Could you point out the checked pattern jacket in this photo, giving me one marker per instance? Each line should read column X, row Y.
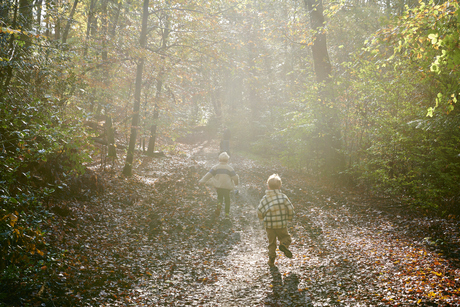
column 275, row 209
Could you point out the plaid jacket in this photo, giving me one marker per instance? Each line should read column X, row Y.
column 275, row 209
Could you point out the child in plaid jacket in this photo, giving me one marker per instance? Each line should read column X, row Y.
column 276, row 210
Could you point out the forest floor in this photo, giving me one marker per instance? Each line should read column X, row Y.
column 153, row 240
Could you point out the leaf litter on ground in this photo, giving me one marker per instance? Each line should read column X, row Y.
column 153, row 240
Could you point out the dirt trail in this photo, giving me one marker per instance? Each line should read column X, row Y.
column 228, row 258
column 156, row 243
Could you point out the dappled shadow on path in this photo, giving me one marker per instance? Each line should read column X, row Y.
column 285, row 292
column 154, row 240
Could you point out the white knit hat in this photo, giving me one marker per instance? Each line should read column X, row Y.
column 223, row 157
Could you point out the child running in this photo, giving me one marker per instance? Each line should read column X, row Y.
column 276, row 210
column 225, row 180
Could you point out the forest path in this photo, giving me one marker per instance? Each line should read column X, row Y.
column 233, row 263
column 152, row 240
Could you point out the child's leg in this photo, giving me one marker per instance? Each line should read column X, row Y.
column 271, row 235
column 285, row 241
column 227, row 200
column 220, row 200
column 220, row 195
column 284, row 237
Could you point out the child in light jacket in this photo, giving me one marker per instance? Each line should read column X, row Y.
column 224, row 180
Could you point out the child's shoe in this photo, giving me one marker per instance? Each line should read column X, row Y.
column 271, row 261
column 285, row 250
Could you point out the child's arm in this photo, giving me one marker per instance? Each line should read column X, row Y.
column 290, row 209
column 260, row 214
column 205, row 178
column 236, row 179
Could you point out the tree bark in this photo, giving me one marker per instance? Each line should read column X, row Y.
column 5, row 11
column 321, row 61
column 115, row 21
column 25, row 10
column 57, row 26
column 105, row 25
column 326, row 123
column 39, row 15
column 69, row 22
column 89, row 24
column 153, row 131
column 128, row 168
column 11, row 50
column 112, row 152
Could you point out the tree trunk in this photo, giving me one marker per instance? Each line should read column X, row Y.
column 25, row 9
column 115, row 21
column 9, row 70
column 153, row 132
column 69, row 22
column 104, row 30
column 39, row 15
column 5, row 11
column 156, row 113
column 110, row 138
column 321, row 61
column 47, row 19
column 128, row 168
column 89, row 24
column 327, row 127
column 57, row 26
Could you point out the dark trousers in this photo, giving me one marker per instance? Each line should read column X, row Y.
column 223, row 195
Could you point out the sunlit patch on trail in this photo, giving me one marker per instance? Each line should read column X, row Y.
column 149, row 181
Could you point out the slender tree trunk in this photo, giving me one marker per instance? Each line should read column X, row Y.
column 25, row 9
column 89, row 24
column 57, row 26
column 104, row 30
column 110, row 130
column 39, row 15
column 5, row 11
column 156, row 113
column 69, row 22
column 11, row 51
column 110, row 138
column 128, row 168
column 115, row 21
column 26, row 12
column 47, row 19
column 153, row 132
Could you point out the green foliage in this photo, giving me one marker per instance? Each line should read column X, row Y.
column 390, row 145
column 42, row 146
column 40, row 151
column 380, row 98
